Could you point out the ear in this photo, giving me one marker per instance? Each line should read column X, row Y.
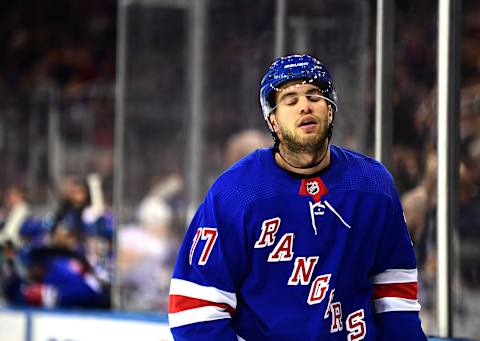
column 330, row 114
column 273, row 122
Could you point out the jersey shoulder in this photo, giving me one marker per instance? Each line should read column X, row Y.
column 359, row 172
column 247, row 180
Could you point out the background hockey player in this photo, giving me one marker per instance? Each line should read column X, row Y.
column 301, row 241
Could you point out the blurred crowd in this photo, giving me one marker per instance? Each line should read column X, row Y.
column 70, row 45
column 415, row 163
column 66, row 258
column 56, row 230
column 61, row 259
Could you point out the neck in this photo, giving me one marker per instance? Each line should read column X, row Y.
column 304, row 163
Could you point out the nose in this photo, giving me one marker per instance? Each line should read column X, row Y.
column 304, row 104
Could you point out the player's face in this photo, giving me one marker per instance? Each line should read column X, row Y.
column 301, row 118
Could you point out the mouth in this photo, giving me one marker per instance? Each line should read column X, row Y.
column 307, row 122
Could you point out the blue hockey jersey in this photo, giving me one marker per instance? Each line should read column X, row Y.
column 271, row 255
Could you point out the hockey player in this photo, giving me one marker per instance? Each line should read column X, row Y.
column 302, row 241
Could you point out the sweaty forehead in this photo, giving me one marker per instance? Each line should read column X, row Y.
column 296, row 85
column 293, row 87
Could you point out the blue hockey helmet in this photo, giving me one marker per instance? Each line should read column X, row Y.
column 295, row 67
column 32, row 228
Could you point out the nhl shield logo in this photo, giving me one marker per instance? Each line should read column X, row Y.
column 312, row 187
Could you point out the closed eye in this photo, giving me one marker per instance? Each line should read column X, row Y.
column 290, row 100
column 314, row 97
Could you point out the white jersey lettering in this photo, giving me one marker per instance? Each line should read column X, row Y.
column 269, row 230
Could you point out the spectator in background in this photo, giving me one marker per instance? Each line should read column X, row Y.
column 469, row 227
column 72, row 267
column 474, row 160
column 34, row 232
column 419, row 207
column 75, row 198
column 146, row 253
column 55, row 275
column 243, row 143
column 415, row 204
column 82, row 204
column 406, row 167
column 18, row 211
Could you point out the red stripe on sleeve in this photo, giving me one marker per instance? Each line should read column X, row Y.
column 179, row 303
column 400, row 290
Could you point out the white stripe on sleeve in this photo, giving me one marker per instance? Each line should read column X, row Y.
column 386, row 304
column 194, row 290
column 202, row 314
column 396, row 276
